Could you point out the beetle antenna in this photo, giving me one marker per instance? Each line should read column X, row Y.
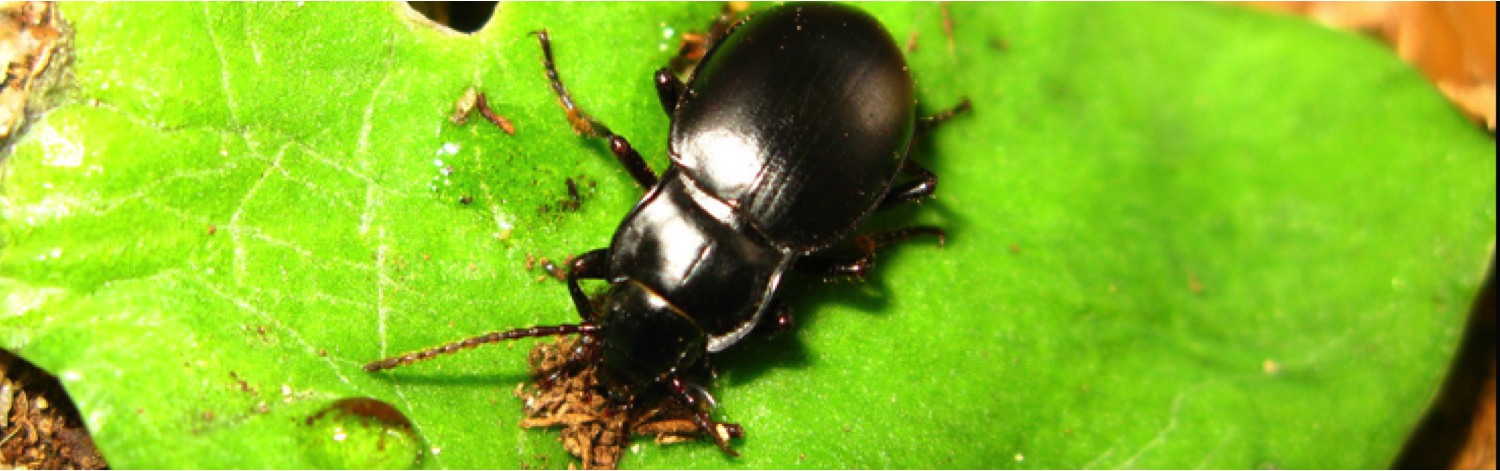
column 492, row 337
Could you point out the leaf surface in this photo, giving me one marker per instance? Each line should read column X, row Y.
column 1182, row 235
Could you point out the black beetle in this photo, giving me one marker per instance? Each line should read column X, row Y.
column 792, row 129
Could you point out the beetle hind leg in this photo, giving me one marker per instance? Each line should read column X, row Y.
column 586, row 125
column 926, row 124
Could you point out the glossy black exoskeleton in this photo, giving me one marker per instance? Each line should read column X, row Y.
column 793, row 128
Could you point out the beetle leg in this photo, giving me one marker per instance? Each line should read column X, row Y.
column 632, row 160
column 586, row 125
column 708, row 368
column 781, row 316
column 720, row 432
column 926, row 181
column 583, row 123
column 709, row 403
column 695, row 45
column 835, row 267
column 922, row 187
column 869, row 242
column 593, row 266
column 926, row 124
column 668, row 89
column 838, row 267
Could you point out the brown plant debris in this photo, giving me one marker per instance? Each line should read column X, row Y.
column 464, row 107
column 593, row 428
column 29, row 34
column 39, row 426
column 489, row 114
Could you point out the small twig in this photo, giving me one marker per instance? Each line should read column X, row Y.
column 672, row 426
column 563, row 419
column 484, row 110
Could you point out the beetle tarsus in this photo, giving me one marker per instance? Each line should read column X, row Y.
column 586, row 125
column 582, row 122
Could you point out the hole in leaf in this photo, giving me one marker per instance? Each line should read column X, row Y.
column 464, row 17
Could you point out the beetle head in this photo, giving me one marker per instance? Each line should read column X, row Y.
column 644, row 339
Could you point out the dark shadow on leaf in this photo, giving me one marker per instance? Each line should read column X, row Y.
column 806, row 295
column 803, row 294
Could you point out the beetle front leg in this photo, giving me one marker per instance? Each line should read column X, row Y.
column 719, row 431
column 593, row 265
column 586, row 125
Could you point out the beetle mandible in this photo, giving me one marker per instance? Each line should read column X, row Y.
column 792, row 129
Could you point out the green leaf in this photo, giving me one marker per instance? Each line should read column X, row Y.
column 1182, row 235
